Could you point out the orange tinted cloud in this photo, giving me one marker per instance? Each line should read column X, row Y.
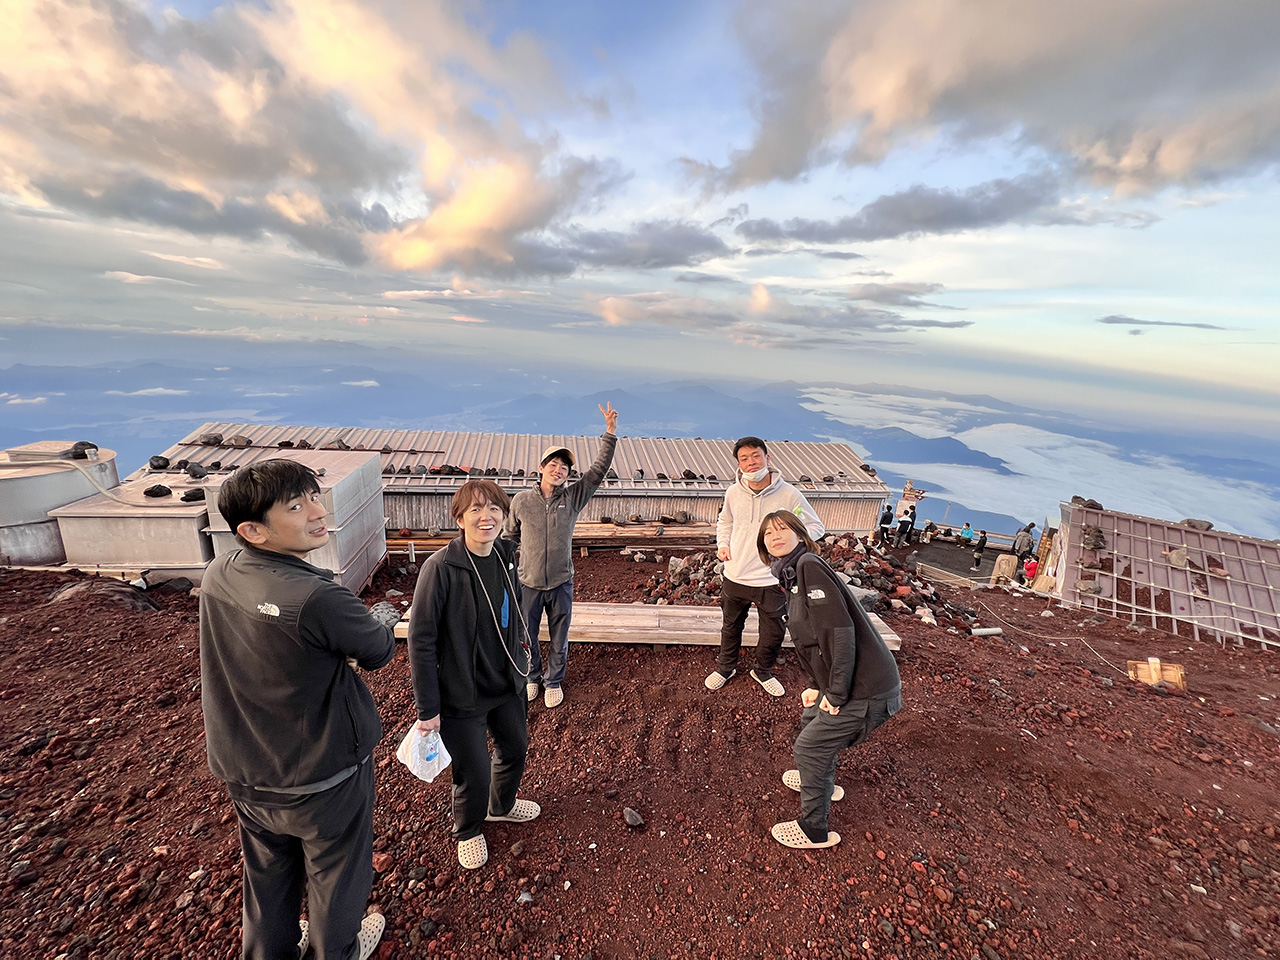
column 491, row 205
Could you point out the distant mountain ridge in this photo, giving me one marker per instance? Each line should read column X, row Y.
column 141, row 406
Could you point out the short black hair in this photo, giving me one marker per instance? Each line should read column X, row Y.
column 255, row 488
column 750, row 442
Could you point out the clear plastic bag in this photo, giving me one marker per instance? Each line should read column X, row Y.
column 423, row 754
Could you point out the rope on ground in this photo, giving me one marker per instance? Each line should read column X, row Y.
column 1104, row 659
column 1033, row 633
column 1040, row 636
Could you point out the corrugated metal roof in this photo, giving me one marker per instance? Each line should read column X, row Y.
column 412, row 453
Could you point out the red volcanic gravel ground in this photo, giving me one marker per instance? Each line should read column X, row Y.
column 1029, row 802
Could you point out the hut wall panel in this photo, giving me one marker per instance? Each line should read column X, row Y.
column 1201, row 584
column 421, row 510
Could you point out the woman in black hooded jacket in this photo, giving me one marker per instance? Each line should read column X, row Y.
column 854, row 682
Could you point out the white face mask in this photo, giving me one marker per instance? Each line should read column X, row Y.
column 757, row 476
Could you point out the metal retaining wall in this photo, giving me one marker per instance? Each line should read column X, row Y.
column 1173, row 577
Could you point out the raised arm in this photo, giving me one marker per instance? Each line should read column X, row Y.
column 584, row 489
column 610, row 417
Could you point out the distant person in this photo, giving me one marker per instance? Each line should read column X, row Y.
column 906, row 524
column 886, row 525
column 757, row 489
column 978, row 549
column 542, row 521
column 854, row 684
column 470, row 658
column 930, row 530
column 966, row 536
column 1023, row 542
column 1030, row 568
column 289, row 724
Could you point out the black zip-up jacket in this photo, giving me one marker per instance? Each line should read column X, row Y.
column 443, row 623
column 282, row 708
column 838, row 645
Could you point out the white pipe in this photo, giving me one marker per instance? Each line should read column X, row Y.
column 89, row 476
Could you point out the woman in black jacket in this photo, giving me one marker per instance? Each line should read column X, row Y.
column 854, row 680
column 469, row 655
column 979, row 546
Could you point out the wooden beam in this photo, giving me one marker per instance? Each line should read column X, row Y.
column 587, row 534
column 662, row 624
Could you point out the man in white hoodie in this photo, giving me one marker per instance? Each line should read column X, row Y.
column 758, row 490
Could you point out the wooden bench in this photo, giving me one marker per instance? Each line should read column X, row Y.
column 661, row 623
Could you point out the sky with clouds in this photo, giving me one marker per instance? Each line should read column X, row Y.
column 1072, row 204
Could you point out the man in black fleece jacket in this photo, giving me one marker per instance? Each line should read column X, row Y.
column 289, row 725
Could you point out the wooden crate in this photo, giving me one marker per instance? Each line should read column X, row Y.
column 1153, row 671
column 1044, row 583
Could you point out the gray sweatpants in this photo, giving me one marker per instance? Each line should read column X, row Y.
column 818, row 746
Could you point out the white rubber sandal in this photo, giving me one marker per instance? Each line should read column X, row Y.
column 553, row 696
column 474, row 853
column 521, row 812
column 306, row 937
column 371, row 928
column 789, row 834
column 771, row 686
column 715, row 679
column 531, row 692
column 792, row 779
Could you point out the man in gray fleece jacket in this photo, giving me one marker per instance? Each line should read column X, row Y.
column 541, row 521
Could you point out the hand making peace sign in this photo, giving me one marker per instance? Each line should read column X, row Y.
column 610, row 417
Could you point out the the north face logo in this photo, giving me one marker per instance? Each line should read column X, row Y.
column 268, row 610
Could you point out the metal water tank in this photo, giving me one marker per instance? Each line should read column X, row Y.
column 36, row 478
